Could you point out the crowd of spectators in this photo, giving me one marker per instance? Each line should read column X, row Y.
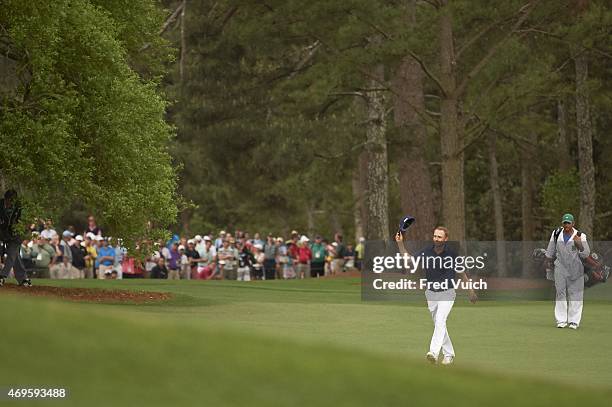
column 89, row 254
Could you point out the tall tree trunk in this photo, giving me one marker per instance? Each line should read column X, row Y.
column 416, row 195
column 310, row 219
column 2, row 182
column 585, row 145
column 358, row 194
column 186, row 221
column 500, row 238
column 335, row 222
column 565, row 160
column 363, row 186
column 377, row 197
column 453, row 200
column 183, row 42
column 527, row 199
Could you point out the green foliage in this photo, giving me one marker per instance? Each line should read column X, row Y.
column 561, row 194
column 84, row 126
column 271, row 89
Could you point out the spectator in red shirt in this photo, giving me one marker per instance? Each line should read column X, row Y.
column 293, row 248
column 304, row 256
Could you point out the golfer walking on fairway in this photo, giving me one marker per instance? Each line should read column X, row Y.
column 439, row 300
column 10, row 212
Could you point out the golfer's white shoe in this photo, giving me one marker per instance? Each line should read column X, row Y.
column 448, row 360
column 573, row 325
column 561, row 324
column 431, row 358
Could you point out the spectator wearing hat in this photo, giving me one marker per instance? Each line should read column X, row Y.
column 42, row 254
column 174, row 262
column 67, row 237
column 79, row 252
column 304, row 256
column 317, row 264
column 185, row 265
column 198, row 243
column 193, row 256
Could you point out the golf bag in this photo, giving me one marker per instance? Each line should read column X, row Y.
column 595, row 271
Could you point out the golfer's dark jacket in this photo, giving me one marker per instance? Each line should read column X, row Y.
column 9, row 217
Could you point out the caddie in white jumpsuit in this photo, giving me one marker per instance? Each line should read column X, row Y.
column 568, row 250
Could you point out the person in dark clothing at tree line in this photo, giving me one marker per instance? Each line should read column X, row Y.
column 10, row 212
column 319, row 252
column 92, row 226
column 160, row 270
column 79, row 254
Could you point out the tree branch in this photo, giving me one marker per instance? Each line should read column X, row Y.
column 340, row 155
column 427, row 71
column 166, row 24
column 433, row 3
column 311, row 51
column 526, row 11
column 558, row 37
column 476, row 37
column 411, row 53
column 359, row 94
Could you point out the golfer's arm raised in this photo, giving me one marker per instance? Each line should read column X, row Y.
column 399, row 238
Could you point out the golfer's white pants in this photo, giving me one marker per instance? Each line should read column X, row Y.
column 440, row 305
column 244, row 274
column 568, row 304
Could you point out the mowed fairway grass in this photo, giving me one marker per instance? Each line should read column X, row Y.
column 301, row 343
